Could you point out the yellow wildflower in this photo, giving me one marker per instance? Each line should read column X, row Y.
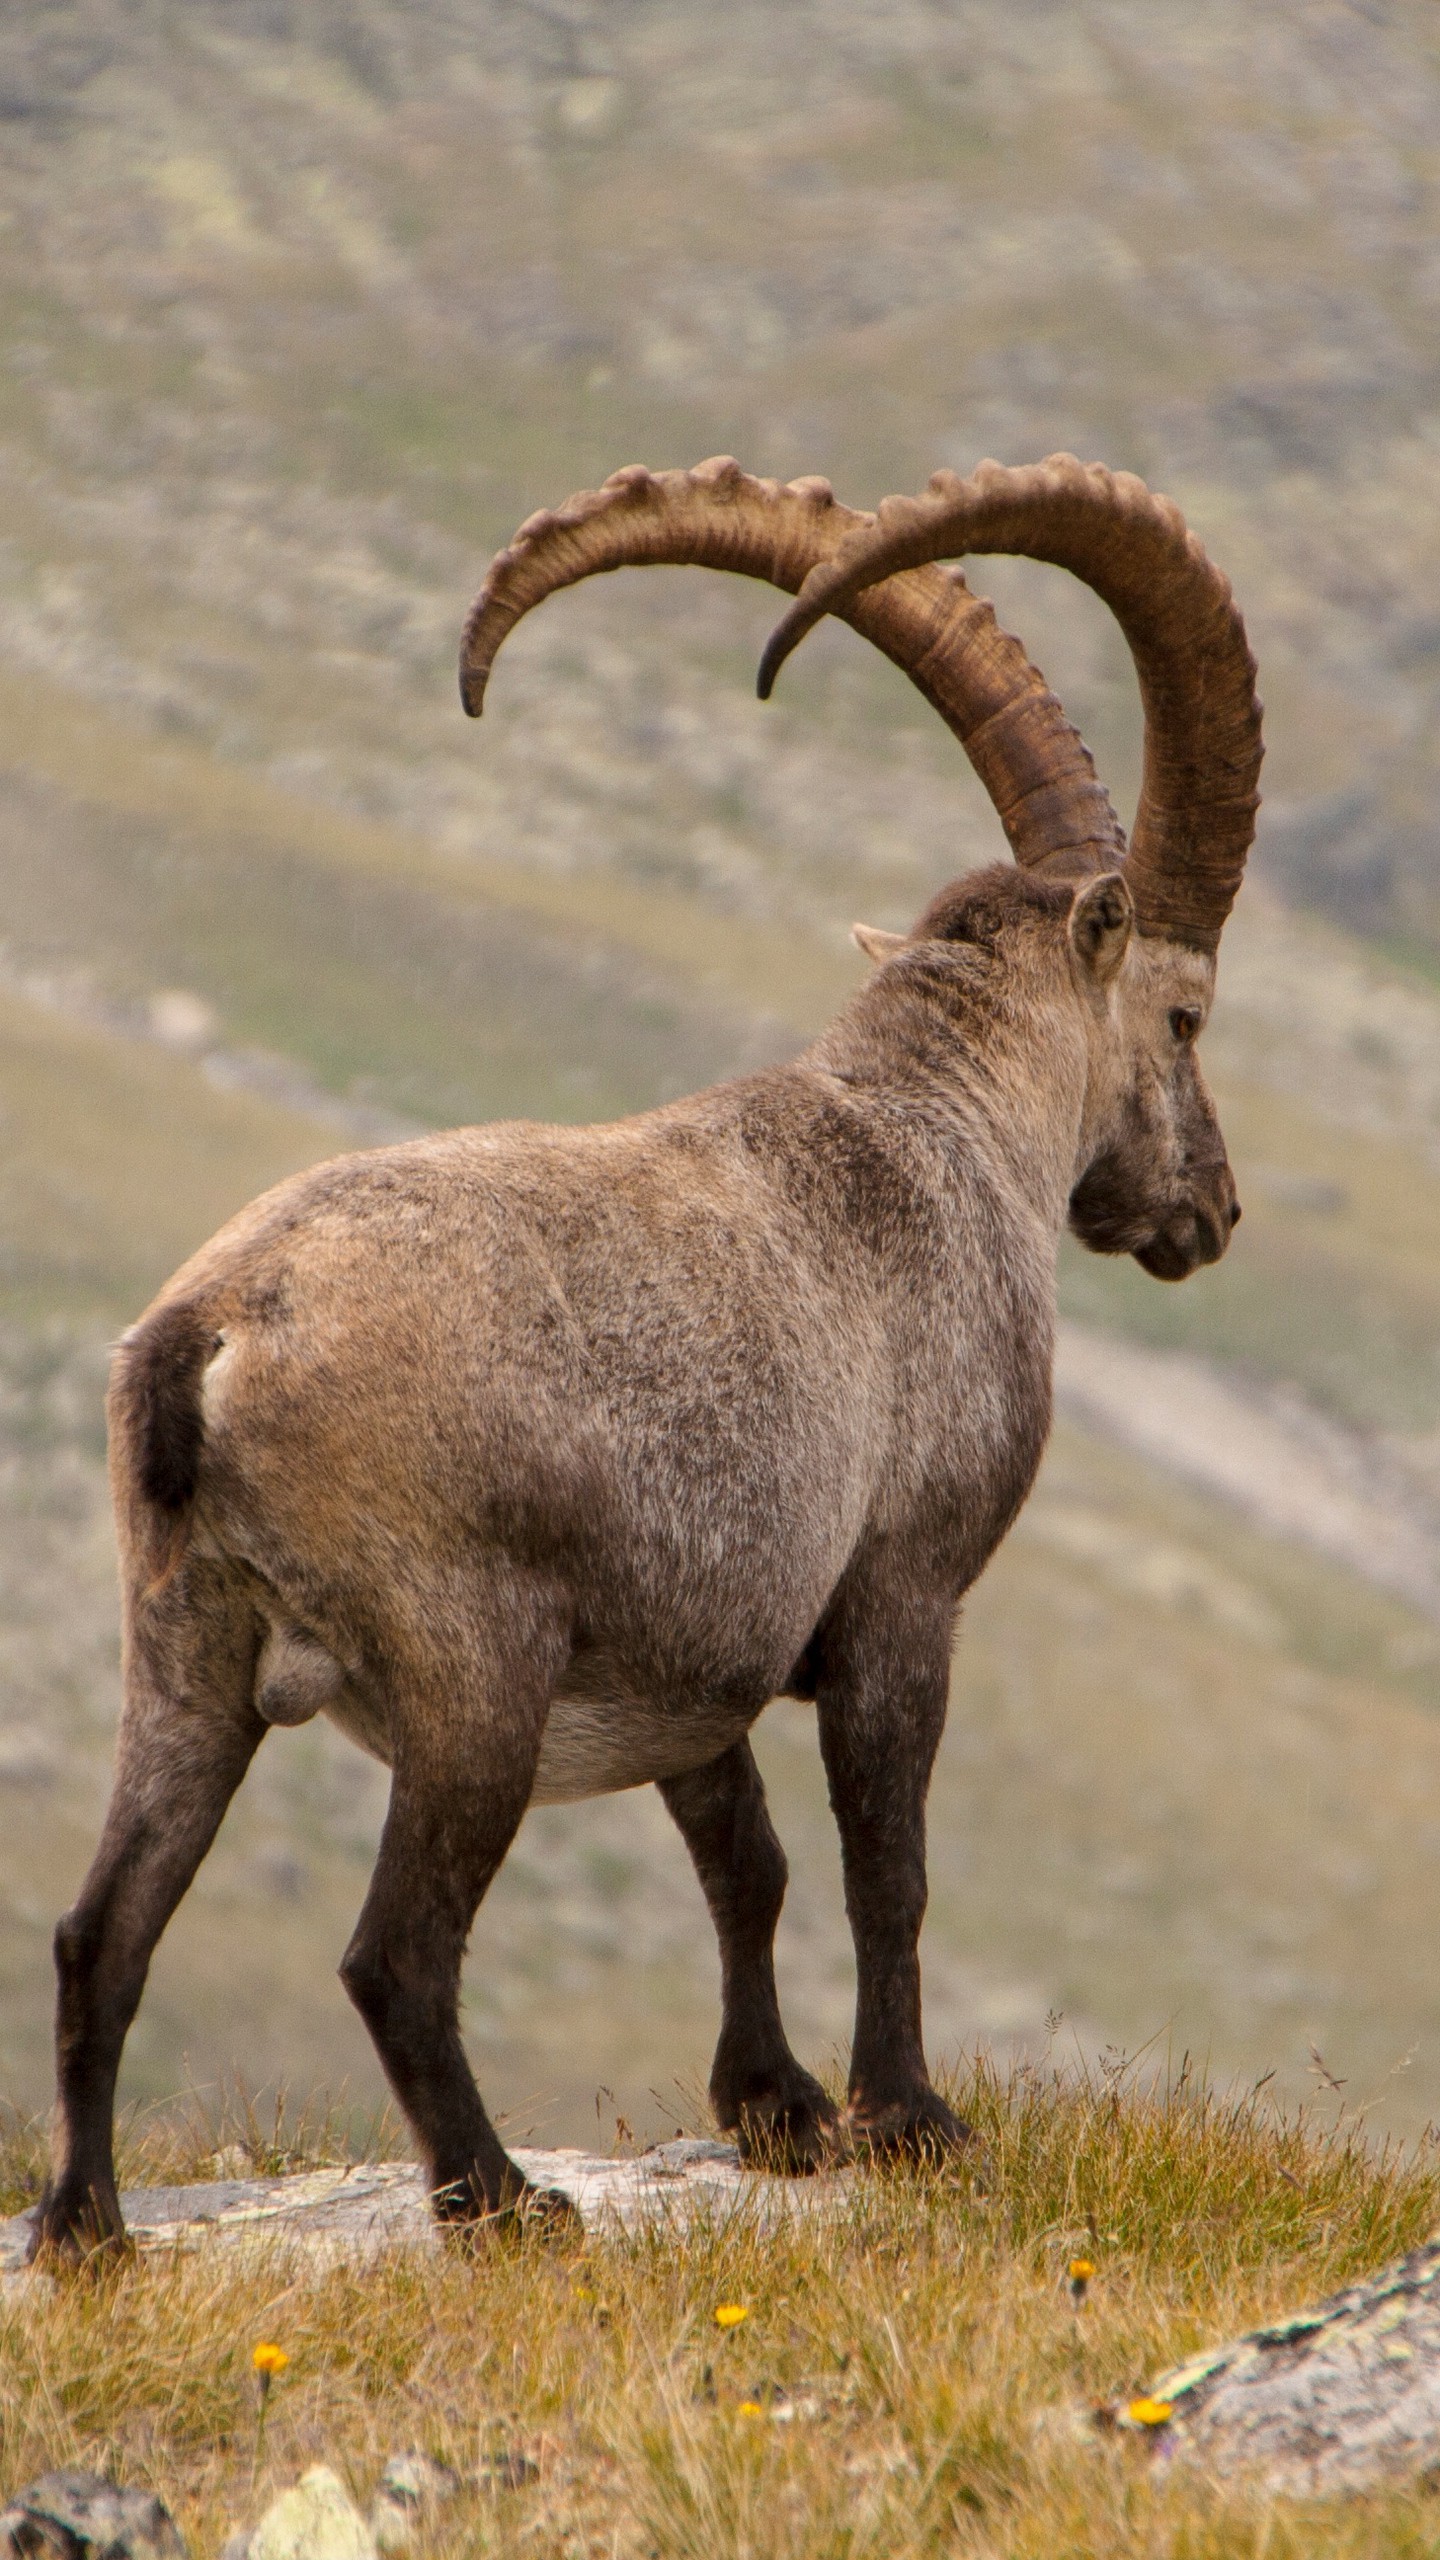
column 1081, row 2271
column 1146, row 2412
column 268, row 2360
column 750, row 2409
column 728, row 2315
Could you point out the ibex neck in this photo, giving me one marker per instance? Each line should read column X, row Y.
column 983, row 1059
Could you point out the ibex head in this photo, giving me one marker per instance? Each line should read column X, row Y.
column 1157, row 1182
column 1141, row 923
column 1151, row 1175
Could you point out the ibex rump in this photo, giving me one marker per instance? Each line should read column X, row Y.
column 540, row 1459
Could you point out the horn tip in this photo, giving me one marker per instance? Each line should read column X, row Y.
column 773, row 656
column 787, row 635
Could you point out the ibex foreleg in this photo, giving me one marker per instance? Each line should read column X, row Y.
column 881, row 1702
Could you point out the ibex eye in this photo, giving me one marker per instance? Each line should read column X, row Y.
column 1184, row 1022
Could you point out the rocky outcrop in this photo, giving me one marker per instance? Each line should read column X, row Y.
column 79, row 2515
column 1346, row 2396
column 382, row 2204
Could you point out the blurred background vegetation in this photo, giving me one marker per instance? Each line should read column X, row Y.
column 306, row 304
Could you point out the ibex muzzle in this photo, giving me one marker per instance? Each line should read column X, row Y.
column 540, row 1459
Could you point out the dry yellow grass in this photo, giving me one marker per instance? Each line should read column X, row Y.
column 913, row 2367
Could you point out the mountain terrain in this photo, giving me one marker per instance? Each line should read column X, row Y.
column 304, row 309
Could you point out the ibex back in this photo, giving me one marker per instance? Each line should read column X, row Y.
column 540, row 1459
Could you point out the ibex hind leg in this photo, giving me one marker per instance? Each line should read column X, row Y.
column 188, row 1732
column 467, row 1719
column 758, row 2090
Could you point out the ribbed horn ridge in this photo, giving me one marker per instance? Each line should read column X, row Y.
column 1196, row 818
column 1034, row 765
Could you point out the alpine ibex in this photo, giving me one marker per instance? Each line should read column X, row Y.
column 541, row 1458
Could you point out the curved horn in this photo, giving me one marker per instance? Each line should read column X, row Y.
column 1198, row 798
column 1034, row 765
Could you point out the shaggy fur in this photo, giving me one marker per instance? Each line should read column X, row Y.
column 541, row 1458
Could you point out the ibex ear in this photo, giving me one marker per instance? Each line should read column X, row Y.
column 1099, row 927
column 876, row 944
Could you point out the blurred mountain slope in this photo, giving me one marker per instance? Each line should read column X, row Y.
column 303, row 309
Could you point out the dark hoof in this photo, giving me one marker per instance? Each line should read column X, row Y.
column 469, row 2219
column 920, row 2128
column 549, row 2212
column 78, row 2228
column 793, row 2131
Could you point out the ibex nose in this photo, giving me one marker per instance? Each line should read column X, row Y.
column 1216, row 1217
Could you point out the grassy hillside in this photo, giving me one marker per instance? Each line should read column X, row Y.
column 303, row 309
column 306, row 307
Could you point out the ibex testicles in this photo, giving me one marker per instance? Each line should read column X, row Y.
column 539, row 1459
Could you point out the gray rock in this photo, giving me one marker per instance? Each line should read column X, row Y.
column 316, row 2520
column 1344, row 2396
column 76, row 2515
column 412, row 2489
column 352, row 2212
